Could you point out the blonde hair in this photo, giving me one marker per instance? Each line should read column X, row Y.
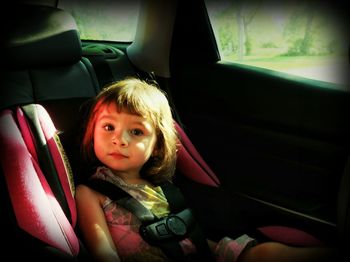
column 139, row 97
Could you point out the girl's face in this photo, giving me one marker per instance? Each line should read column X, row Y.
column 122, row 141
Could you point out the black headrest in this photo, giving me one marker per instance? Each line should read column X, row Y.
column 41, row 36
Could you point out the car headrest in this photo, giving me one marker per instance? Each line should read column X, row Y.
column 41, row 36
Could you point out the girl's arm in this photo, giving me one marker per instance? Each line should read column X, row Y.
column 92, row 223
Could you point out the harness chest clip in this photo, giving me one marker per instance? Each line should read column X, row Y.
column 172, row 226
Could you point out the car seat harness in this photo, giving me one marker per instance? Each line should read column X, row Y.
column 165, row 232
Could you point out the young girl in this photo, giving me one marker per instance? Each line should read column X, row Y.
column 130, row 134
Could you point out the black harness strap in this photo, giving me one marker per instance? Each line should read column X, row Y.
column 177, row 203
column 122, row 198
column 174, row 196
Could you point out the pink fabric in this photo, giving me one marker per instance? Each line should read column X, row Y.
column 191, row 169
column 290, row 236
column 65, row 227
column 229, row 249
column 127, row 240
column 187, row 246
column 57, row 154
column 191, row 164
column 124, row 229
column 32, row 202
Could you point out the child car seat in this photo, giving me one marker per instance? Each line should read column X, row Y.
column 42, row 63
column 46, row 228
column 191, row 164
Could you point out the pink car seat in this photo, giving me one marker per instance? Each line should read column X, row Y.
column 40, row 218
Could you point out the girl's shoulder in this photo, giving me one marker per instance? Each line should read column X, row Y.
column 85, row 193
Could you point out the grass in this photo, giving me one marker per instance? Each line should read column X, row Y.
column 279, row 63
column 322, row 67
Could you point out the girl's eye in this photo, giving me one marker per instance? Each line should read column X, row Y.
column 136, row 132
column 108, row 127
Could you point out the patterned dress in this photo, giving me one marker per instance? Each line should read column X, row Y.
column 124, row 226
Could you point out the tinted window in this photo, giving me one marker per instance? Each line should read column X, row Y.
column 304, row 38
column 104, row 19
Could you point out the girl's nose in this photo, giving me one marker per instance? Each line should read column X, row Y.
column 120, row 138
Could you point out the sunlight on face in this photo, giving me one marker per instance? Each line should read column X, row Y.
column 122, row 141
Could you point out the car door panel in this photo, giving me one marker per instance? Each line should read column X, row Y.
column 280, row 142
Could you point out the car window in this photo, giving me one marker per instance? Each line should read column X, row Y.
column 105, row 20
column 304, row 38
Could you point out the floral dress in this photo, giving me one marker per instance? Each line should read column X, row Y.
column 124, row 226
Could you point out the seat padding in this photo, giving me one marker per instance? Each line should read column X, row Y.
column 191, row 163
column 39, row 132
column 35, row 206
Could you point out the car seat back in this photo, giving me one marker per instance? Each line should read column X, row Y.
column 110, row 64
column 42, row 58
column 42, row 66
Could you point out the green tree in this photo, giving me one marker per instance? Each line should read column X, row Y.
column 300, row 29
column 245, row 13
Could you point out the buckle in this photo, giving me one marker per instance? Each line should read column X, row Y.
column 176, row 225
column 173, row 226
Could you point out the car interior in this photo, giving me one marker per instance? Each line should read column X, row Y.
column 260, row 152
